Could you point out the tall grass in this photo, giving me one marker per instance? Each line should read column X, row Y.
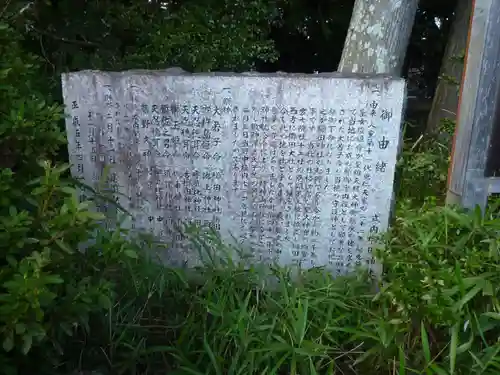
column 231, row 319
column 435, row 311
column 235, row 319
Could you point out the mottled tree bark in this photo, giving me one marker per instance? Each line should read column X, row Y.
column 378, row 36
column 445, row 102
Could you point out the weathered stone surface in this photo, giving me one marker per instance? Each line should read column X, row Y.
column 298, row 168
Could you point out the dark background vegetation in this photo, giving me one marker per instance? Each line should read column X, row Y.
column 265, row 35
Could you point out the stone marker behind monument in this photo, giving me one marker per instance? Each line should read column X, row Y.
column 297, row 168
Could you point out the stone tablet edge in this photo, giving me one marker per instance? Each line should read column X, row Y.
column 180, row 72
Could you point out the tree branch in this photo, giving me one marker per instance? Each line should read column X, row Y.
column 66, row 40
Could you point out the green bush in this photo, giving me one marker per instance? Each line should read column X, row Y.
column 29, row 129
column 112, row 35
column 41, row 293
column 48, row 288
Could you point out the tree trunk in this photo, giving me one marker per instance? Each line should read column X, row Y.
column 445, row 101
column 378, row 36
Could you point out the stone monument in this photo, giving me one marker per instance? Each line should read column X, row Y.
column 298, row 169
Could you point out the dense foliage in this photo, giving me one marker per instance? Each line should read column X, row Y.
column 48, row 288
column 110, row 309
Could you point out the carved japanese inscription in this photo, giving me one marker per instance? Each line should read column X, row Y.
column 298, row 169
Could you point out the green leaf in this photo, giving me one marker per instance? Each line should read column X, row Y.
column 186, row 370
column 68, row 190
column 478, row 361
column 20, row 328
column 61, row 169
column 488, row 289
column 66, row 327
column 402, row 362
column 12, row 211
column 453, row 348
column 425, row 343
column 131, row 253
column 466, row 346
column 27, row 342
column 53, row 279
column 63, row 210
column 104, row 301
column 64, row 247
column 8, row 342
column 211, row 355
column 38, row 190
column 312, row 369
column 11, row 261
column 492, row 315
column 437, row 370
column 470, row 295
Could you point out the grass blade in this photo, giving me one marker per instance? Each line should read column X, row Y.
column 426, row 348
column 402, row 362
column 425, row 343
column 453, row 348
column 438, row 370
column 212, row 357
column 470, row 295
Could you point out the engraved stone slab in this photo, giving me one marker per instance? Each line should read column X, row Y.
column 297, row 168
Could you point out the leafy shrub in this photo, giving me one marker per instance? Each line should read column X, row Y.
column 40, row 292
column 207, row 36
column 29, row 129
column 48, row 288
